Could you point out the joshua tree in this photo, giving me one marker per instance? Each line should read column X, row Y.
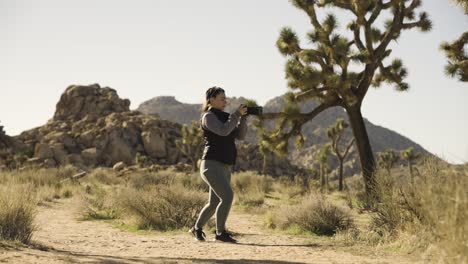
column 409, row 155
column 323, row 163
column 337, row 71
column 462, row 3
column 191, row 143
column 388, row 159
column 334, row 132
column 455, row 52
column 264, row 152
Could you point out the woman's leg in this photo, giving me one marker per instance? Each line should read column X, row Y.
column 207, row 211
column 216, row 175
column 222, row 226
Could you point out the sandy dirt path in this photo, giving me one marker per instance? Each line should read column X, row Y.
column 62, row 238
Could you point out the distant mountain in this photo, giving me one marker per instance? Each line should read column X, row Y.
column 167, row 107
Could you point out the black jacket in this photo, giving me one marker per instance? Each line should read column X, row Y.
column 217, row 147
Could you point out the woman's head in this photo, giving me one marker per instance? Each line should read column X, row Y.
column 214, row 97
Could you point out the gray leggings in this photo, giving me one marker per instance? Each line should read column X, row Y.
column 218, row 176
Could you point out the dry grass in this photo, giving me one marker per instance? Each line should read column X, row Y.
column 101, row 202
column 426, row 214
column 164, row 207
column 250, row 188
column 314, row 214
column 17, row 211
column 141, row 181
column 22, row 190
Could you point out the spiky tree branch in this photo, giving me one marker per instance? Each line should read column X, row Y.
column 388, row 159
column 457, row 58
column 455, row 51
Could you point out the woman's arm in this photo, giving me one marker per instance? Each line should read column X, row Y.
column 212, row 123
column 242, row 128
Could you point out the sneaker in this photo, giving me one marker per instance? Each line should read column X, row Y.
column 225, row 237
column 198, row 234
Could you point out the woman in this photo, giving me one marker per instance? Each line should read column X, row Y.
column 220, row 130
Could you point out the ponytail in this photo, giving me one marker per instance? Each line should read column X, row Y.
column 205, row 106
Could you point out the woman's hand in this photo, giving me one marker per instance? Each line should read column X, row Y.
column 242, row 109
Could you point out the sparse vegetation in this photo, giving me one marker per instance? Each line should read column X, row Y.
column 424, row 213
column 164, row 207
column 432, row 206
column 314, row 214
column 250, row 188
column 101, row 202
column 17, row 211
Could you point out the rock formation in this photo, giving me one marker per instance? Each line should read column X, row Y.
column 93, row 127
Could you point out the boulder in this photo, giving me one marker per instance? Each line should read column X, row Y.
column 78, row 101
column 90, row 156
column 119, row 166
column 154, row 143
column 119, row 150
column 49, row 163
column 60, row 154
column 43, row 151
column 74, row 159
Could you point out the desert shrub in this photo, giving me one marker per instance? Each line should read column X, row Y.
column 314, row 214
column 105, row 176
column 17, row 212
column 164, row 207
column 101, row 202
column 250, row 188
column 67, row 193
column 46, row 183
column 193, row 181
column 38, row 177
column 433, row 205
column 291, row 187
column 148, row 180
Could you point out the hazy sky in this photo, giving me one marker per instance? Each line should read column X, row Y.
column 149, row 48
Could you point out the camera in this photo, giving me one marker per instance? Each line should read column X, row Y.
column 254, row 110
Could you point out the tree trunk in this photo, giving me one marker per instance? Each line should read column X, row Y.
column 194, row 165
column 322, row 178
column 340, row 176
column 366, row 155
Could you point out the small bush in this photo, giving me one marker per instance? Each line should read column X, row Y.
column 292, row 188
column 250, row 188
column 100, row 204
column 47, row 193
column 17, row 212
column 165, row 207
column 315, row 215
column 148, row 180
column 193, row 181
column 67, row 194
column 105, row 176
column 38, row 177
